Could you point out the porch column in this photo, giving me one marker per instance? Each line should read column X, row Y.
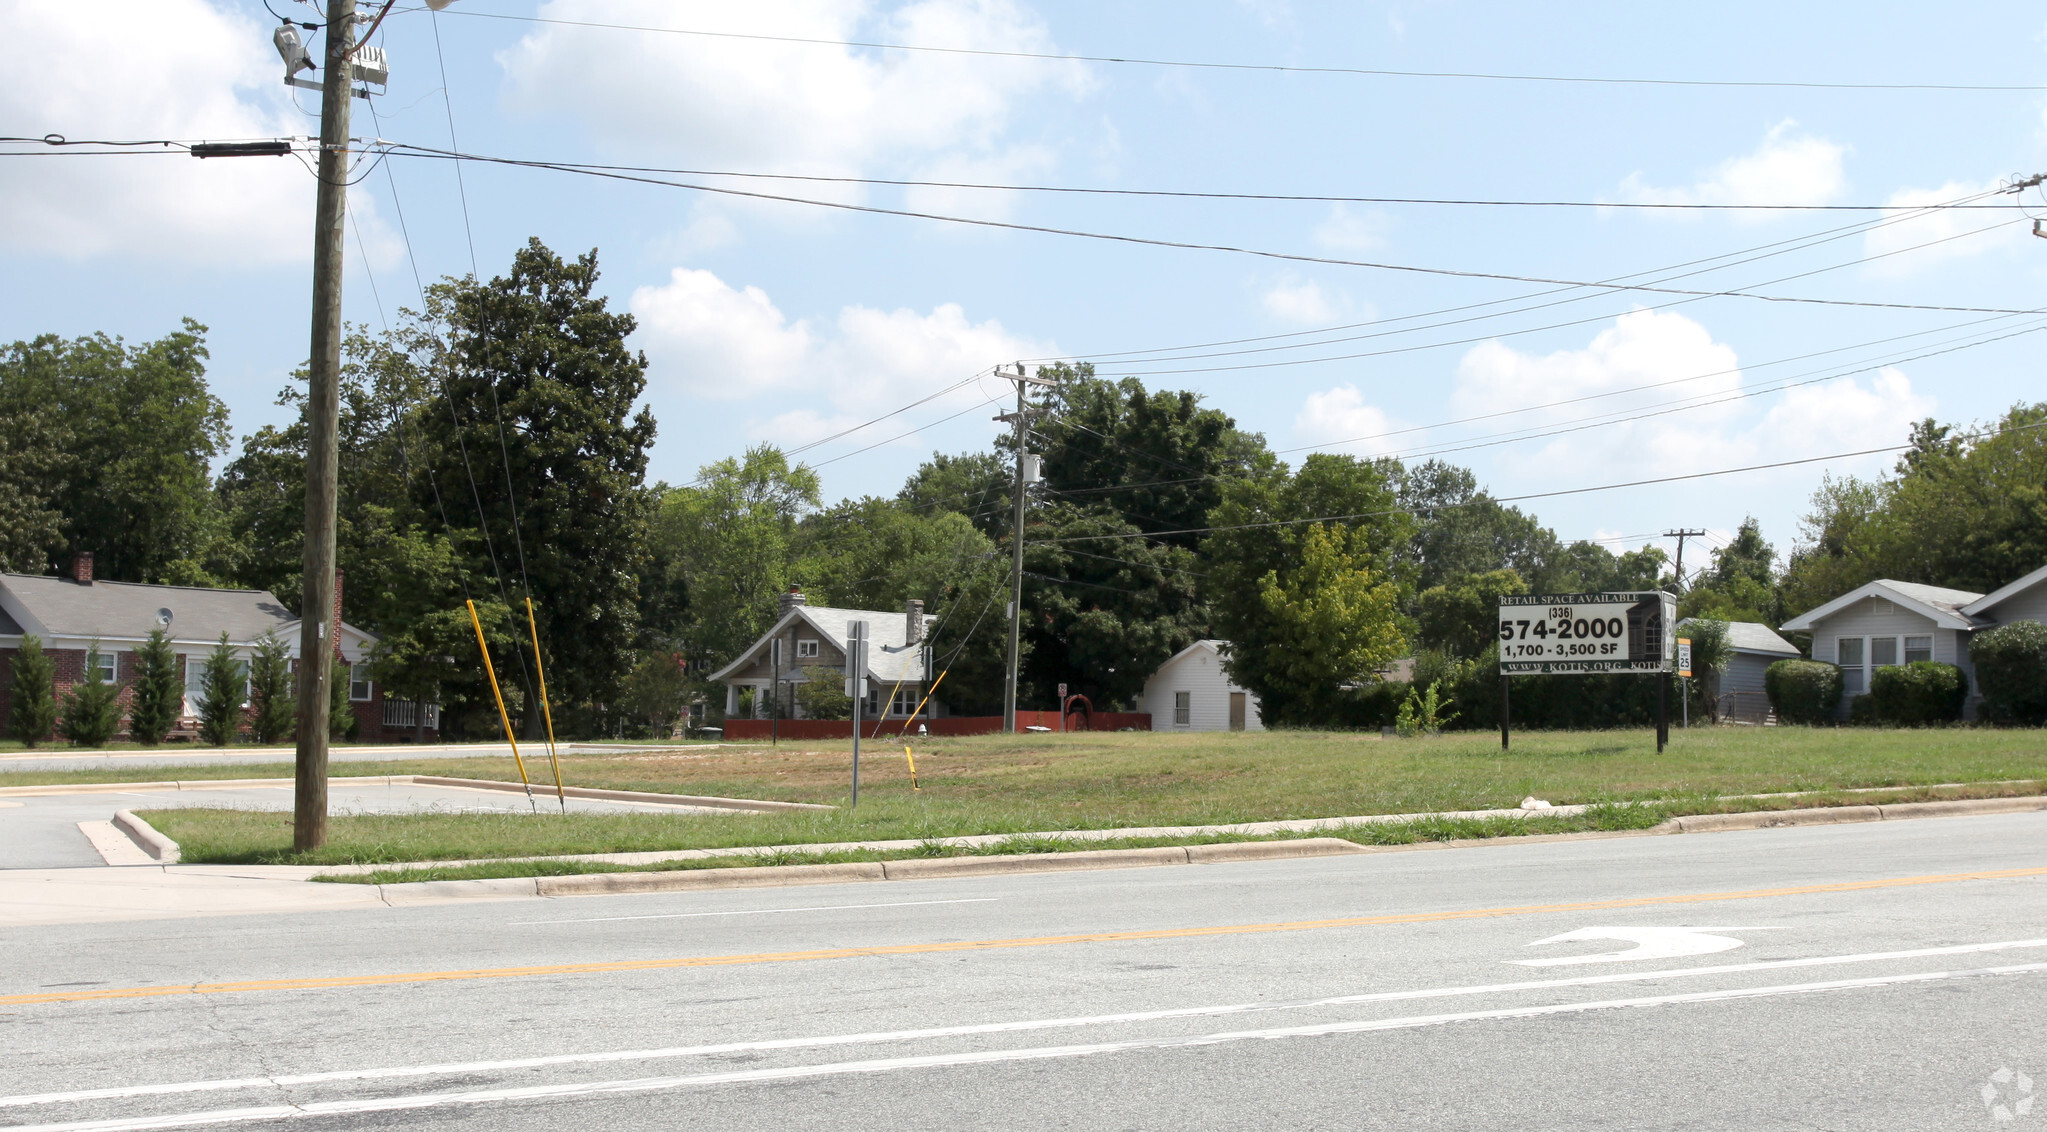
column 731, row 700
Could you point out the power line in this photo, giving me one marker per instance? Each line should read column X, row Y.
column 407, row 149
column 1278, row 68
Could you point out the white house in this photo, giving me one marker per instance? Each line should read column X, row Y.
column 1886, row 623
column 813, row 645
column 1191, row 692
column 1737, row 690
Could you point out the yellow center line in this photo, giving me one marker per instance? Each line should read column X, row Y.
column 994, row 944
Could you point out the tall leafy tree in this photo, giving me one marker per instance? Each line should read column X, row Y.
column 1461, row 530
column 1461, row 617
column 1281, row 538
column 139, row 427
column 91, row 712
column 540, row 390
column 158, row 698
column 32, row 464
column 32, row 704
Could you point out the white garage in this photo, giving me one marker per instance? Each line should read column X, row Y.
column 1191, row 692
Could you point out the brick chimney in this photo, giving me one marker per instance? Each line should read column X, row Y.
column 81, row 567
column 791, row 600
column 335, row 626
column 913, row 621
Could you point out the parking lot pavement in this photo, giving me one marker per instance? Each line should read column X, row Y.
column 41, row 832
column 244, row 756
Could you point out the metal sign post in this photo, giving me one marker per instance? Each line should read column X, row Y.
column 856, row 687
column 1684, row 673
column 775, row 703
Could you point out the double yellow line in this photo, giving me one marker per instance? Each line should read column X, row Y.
column 560, row 969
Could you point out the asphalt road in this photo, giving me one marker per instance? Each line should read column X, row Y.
column 1845, row 977
column 135, row 758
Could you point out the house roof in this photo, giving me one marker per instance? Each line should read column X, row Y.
column 128, row 610
column 1752, row 636
column 1945, row 607
column 887, row 657
column 1210, row 644
column 1982, row 605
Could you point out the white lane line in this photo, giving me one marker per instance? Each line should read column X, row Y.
column 283, row 1080
column 754, row 912
column 985, row 1057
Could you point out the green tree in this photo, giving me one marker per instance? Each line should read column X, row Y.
column 721, row 551
column 273, row 708
column 1284, row 539
column 221, row 685
column 538, row 374
column 341, row 718
column 32, row 462
column 92, row 712
column 1462, row 616
column 657, row 693
column 822, row 694
column 1460, row 530
column 977, row 485
column 32, row 708
column 158, row 698
column 139, row 428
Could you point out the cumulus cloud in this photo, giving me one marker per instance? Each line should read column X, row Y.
column 1916, row 235
column 181, row 69
column 707, row 338
column 1341, row 420
column 1345, row 230
column 793, row 107
column 1682, row 361
column 1303, row 304
column 1788, row 168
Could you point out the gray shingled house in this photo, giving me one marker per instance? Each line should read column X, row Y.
column 813, row 641
column 1737, row 691
column 72, row 613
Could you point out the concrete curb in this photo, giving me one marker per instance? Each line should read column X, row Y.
column 917, row 868
column 1836, row 815
column 155, row 844
column 619, row 795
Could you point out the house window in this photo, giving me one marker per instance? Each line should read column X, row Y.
column 1918, row 649
column 107, row 666
column 1848, row 654
column 906, row 701
column 1183, row 709
column 872, row 708
column 1883, row 652
column 195, row 681
column 805, row 648
column 358, row 682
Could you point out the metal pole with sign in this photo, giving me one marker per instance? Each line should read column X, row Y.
column 856, row 687
column 1503, row 711
column 1684, row 673
column 775, row 700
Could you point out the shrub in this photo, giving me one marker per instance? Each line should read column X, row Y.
column 159, row 691
column 824, row 695
column 1924, row 691
column 1422, row 713
column 341, row 718
column 1862, row 710
column 34, row 707
column 221, row 685
column 2011, row 671
column 1803, row 691
column 273, row 708
column 92, row 712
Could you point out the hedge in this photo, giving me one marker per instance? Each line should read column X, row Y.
column 2011, row 671
column 1924, row 691
column 1803, row 691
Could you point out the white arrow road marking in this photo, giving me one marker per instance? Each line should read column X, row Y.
column 1650, row 943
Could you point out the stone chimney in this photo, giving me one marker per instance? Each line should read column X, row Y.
column 791, row 600
column 81, row 567
column 913, row 621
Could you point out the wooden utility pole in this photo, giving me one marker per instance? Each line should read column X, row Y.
column 1026, row 474
column 323, row 410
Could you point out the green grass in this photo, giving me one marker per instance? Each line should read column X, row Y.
column 1034, row 783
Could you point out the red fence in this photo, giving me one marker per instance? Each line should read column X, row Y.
column 951, row 725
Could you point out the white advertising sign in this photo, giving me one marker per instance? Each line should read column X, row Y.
column 1581, row 633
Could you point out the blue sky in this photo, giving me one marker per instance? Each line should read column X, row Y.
column 783, row 322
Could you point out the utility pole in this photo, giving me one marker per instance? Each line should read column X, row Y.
column 323, row 410
column 1681, row 535
column 1026, row 474
column 1663, row 689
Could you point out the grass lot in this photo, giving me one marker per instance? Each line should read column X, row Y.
column 1034, row 783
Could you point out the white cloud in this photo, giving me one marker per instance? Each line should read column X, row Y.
column 791, row 107
column 182, row 69
column 1670, row 351
column 1347, row 231
column 1340, row 419
column 1303, row 304
column 706, row 338
column 1915, row 238
column 1788, row 168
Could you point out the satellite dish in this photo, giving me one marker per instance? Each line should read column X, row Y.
column 163, row 619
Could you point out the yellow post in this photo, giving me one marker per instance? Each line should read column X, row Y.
column 914, row 788
column 546, row 711
column 500, row 696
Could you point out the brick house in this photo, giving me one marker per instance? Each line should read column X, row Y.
column 72, row 613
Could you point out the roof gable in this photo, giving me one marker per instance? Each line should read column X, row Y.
column 1944, row 607
column 888, row 658
column 1984, row 604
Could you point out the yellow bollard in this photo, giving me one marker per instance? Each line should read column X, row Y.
column 503, row 718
